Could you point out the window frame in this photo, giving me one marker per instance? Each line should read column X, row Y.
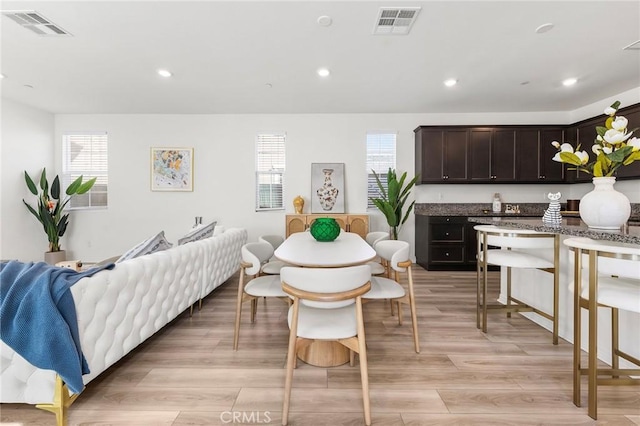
column 369, row 166
column 100, row 171
column 277, row 138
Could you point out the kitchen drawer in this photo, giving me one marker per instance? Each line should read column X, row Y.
column 448, row 219
column 446, row 254
column 453, row 232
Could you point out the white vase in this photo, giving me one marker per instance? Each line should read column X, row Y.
column 604, row 207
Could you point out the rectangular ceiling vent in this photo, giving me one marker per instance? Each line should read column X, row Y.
column 395, row 20
column 35, row 22
column 633, row 46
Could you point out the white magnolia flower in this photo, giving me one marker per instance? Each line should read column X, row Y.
column 595, row 148
column 599, row 138
column 620, row 123
column 556, row 144
column 615, row 137
column 566, row 147
column 610, row 111
column 635, row 143
column 607, row 149
column 583, row 156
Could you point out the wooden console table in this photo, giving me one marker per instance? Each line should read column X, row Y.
column 356, row 223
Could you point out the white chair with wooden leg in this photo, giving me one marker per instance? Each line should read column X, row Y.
column 396, row 254
column 516, row 248
column 253, row 256
column 272, row 266
column 372, row 238
column 327, row 306
column 606, row 274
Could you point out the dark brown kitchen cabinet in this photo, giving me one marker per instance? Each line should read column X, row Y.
column 491, row 155
column 441, row 154
column 534, row 155
column 445, row 243
column 631, row 171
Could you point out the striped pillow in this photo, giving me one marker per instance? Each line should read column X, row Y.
column 198, row 233
column 156, row 243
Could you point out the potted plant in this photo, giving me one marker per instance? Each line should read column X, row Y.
column 50, row 209
column 392, row 200
column 604, row 207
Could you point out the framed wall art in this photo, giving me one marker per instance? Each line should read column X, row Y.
column 327, row 188
column 172, row 169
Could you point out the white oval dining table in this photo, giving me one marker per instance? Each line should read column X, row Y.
column 301, row 249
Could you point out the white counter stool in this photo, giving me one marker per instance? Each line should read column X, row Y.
column 512, row 248
column 612, row 280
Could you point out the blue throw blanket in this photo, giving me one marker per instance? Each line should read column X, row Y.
column 38, row 317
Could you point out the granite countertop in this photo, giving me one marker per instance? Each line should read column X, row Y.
column 569, row 226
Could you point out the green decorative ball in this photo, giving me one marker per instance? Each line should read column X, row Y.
column 325, row 229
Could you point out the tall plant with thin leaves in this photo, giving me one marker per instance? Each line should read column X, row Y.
column 392, row 199
column 50, row 208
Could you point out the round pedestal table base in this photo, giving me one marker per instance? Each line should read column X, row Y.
column 324, row 354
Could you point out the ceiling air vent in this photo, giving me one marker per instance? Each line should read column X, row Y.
column 395, row 20
column 34, row 21
column 633, row 46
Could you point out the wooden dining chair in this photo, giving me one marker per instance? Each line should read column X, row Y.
column 253, row 256
column 378, row 266
column 327, row 306
column 396, row 254
column 272, row 266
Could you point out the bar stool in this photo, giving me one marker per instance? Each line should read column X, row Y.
column 612, row 281
column 511, row 248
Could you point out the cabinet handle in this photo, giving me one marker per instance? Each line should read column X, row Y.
column 448, row 219
column 446, row 233
column 446, row 254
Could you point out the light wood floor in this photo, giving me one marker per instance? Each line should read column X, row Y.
column 188, row 374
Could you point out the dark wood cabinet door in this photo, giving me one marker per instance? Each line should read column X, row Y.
column 550, row 171
column 527, row 155
column 429, row 155
column 631, row 171
column 455, row 149
column 585, row 136
column 503, row 155
column 480, row 154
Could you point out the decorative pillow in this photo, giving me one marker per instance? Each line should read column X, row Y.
column 156, row 243
column 198, row 233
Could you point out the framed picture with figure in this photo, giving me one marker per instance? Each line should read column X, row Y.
column 172, row 169
column 327, row 188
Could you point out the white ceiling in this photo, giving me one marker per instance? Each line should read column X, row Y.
column 224, row 55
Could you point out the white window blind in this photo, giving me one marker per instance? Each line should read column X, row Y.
column 270, row 162
column 381, row 155
column 86, row 154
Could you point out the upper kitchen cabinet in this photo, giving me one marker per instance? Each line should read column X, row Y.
column 631, row 171
column 441, row 154
column 534, row 154
column 492, row 155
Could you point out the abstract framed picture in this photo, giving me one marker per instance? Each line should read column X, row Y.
column 172, row 169
column 327, row 188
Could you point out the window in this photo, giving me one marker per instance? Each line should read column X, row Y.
column 86, row 154
column 381, row 155
column 270, row 163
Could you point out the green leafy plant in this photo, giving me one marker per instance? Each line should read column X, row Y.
column 393, row 198
column 613, row 147
column 50, row 207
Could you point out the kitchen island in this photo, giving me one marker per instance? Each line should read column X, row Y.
column 535, row 287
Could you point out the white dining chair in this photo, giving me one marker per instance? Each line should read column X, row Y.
column 378, row 267
column 253, row 256
column 606, row 274
column 327, row 306
column 396, row 254
column 515, row 248
column 272, row 266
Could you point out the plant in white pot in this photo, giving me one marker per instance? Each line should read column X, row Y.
column 604, row 207
column 393, row 197
column 50, row 207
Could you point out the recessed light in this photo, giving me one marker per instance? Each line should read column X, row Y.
column 164, row 73
column 323, row 72
column 569, row 81
column 451, row 82
column 325, row 20
column 544, row 28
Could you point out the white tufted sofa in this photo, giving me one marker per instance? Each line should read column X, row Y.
column 120, row 308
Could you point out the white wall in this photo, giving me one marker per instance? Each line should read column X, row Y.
column 224, row 172
column 26, row 144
